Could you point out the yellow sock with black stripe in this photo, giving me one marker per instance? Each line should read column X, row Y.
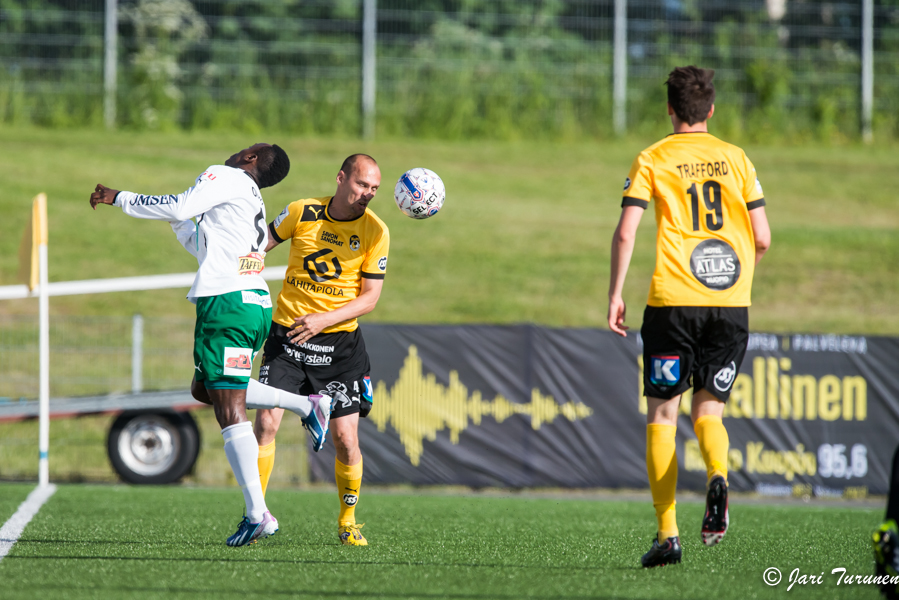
column 661, row 466
column 713, row 443
column 266, row 464
column 349, row 480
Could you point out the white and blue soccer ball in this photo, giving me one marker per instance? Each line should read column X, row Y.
column 419, row 193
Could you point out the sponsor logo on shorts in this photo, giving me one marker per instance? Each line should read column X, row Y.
column 338, row 392
column 366, row 393
column 715, row 264
column 265, row 301
column 317, row 348
column 665, row 370
column 251, row 264
column 238, row 361
column 299, row 356
column 725, row 377
column 355, row 242
column 350, row 499
column 382, row 263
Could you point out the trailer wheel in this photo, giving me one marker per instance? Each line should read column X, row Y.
column 153, row 448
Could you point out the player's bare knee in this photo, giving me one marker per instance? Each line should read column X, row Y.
column 225, row 415
column 662, row 411
column 346, row 439
column 265, row 426
column 229, row 405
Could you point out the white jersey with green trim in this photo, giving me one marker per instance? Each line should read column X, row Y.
column 229, row 235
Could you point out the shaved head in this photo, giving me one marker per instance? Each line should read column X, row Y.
column 350, row 163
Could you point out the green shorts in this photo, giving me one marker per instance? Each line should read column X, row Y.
column 230, row 330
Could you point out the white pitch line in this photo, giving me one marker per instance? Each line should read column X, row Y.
column 12, row 529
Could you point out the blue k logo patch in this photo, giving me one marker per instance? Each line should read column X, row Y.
column 665, row 370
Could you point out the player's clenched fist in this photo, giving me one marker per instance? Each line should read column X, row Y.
column 103, row 195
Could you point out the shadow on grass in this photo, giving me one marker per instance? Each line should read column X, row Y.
column 299, row 594
column 352, row 563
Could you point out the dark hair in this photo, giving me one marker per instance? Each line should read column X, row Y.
column 272, row 165
column 691, row 93
column 349, row 164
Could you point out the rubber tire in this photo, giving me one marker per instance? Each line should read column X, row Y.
column 177, row 429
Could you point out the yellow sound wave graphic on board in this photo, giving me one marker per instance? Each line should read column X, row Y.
column 417, row 407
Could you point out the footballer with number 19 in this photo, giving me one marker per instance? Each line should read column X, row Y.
column 335, row 272
column 712, row 231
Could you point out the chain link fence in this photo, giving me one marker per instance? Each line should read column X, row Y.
column 96, row 355
column 444, row 68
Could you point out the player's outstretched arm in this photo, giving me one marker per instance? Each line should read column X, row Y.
column 203, row 196
column 622, row 250
column 306, row 326
column 103, row 195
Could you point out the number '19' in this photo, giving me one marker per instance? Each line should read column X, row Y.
column 711, row 195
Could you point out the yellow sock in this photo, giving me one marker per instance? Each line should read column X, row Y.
column 661, row 466
column 713, row 443
column 266, row 464
column 349, row 480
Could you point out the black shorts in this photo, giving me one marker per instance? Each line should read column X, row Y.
column 702, row 346
column 329, row 363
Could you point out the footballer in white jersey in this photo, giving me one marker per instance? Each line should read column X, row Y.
column 229, row 235
column 228, row 239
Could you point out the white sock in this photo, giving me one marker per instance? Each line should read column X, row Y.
column 243, row 456
column 260, row 395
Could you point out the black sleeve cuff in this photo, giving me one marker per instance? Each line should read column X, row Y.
column 274, row 233
column 628, row 201
column 371, row 275
column 755, row 204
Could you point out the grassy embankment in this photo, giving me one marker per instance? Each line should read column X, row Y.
column 524, row 235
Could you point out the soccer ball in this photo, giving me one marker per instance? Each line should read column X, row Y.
column 419, row 193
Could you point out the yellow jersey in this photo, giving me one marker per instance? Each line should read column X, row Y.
column 328, row 259
column 702, row 189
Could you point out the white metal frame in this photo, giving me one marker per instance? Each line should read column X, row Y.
column 89, row 286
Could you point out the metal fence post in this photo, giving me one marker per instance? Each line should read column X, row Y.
column 109, row 63
column 619, row 69
column 137, row 354
column 369, row 45
column 867, row 95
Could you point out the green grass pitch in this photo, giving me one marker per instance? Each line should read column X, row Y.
column 93, row 541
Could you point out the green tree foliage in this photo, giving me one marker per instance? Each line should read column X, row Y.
column 446, row 68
